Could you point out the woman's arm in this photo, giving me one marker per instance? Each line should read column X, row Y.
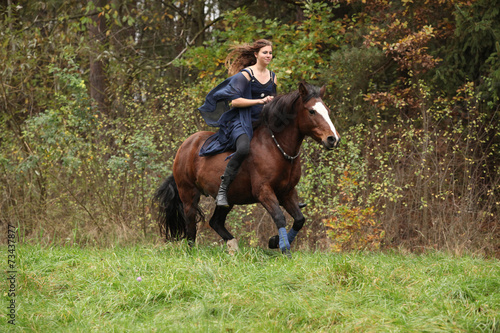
column 244, row 102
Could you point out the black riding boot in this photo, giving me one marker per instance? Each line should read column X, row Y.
column 227, row 179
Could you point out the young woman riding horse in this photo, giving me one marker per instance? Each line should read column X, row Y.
column 268, row 174
column 250, row 87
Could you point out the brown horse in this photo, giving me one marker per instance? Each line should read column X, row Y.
column 268, row 175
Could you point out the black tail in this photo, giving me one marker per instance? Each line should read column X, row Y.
column 171, row 218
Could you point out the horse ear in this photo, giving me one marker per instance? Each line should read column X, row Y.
column 302, row 89
column 322, row 91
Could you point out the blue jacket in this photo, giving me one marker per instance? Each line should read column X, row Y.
column 232, row 122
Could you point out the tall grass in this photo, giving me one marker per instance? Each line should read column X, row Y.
column 62, row 289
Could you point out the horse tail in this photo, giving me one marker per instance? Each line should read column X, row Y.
column 171, row 217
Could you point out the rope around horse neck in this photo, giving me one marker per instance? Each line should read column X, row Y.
column 288, row 157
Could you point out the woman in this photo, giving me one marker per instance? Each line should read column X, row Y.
column 250, row 87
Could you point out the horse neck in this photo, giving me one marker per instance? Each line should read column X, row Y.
column 290, row 138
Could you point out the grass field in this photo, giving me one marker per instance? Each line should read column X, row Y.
column 71, row 289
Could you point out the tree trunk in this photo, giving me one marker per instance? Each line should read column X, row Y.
column 98, row 79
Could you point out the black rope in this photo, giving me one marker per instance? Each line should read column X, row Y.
column 288, row 157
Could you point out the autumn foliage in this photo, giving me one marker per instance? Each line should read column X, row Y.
column 96, row 97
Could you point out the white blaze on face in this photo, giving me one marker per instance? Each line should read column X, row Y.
column 321, row 109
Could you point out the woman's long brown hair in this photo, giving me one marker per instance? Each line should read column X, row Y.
column 243, row 56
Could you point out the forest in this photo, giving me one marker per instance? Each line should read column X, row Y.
column 96, row 96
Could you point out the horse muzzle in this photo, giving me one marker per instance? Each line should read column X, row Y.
column 331, row 142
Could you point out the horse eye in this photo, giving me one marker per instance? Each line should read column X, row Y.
column 311, row 111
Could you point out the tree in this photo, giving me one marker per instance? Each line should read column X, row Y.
column 97, row 35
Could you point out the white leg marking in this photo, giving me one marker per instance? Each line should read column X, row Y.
column 232, row 246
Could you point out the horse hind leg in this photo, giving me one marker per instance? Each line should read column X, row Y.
column 190, row 198
column 217, row 222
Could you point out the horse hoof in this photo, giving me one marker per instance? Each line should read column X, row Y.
column 232, row 246
column 274, row 242
column 222, row 204
column 287, row 253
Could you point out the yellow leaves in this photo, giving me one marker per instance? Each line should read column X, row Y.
column 353, row 225
column 354, row 228
column 203, row 74
column 428, row 29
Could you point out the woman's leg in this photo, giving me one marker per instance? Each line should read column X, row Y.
column 242, row 150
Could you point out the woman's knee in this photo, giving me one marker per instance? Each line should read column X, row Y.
column 243, row 151
column 243, row 146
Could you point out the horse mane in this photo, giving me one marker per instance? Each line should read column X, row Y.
column 281, row 109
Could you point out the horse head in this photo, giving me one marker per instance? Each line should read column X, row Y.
column 314, row 116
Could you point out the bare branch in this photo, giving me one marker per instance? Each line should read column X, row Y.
column 190, row 43
column 177, row 10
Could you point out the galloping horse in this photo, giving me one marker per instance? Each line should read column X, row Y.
column 268, row 175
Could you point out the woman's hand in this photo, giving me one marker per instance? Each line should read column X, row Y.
column 267, row 99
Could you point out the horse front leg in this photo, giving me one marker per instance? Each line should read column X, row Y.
column 268, row 199
column 291, row 205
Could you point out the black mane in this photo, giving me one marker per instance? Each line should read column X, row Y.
column 280, row 111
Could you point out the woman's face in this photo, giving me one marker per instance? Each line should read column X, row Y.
column 265, row 55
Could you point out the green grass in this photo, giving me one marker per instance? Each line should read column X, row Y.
column 71, row 289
